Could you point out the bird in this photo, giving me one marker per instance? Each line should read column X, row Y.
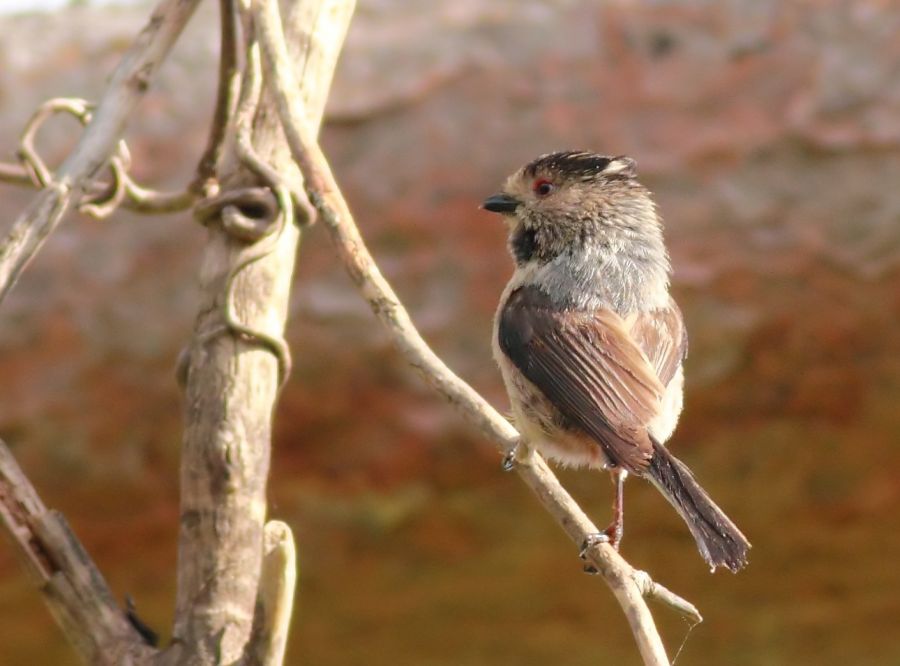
column 589, row 341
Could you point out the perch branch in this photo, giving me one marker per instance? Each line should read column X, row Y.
column 72, row 585
column 628, row 585
column 127, row 86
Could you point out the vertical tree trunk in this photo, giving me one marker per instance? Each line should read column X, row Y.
column 232, row 383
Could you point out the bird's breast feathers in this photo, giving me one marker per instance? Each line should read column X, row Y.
column 589, row 382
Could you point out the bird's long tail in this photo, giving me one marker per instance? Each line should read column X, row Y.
column 719, row 540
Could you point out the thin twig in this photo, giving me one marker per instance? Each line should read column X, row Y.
column 135, row 197
column 127, row 86
column 99, row 199
column 79, row 108
column 226, row 96
column 663, row 595
column 149, row 201
column 326, row 197
column 16, row 174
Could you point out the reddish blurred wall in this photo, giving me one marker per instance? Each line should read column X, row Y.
column 770, row 133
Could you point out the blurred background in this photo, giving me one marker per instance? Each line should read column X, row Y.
column 770, row 133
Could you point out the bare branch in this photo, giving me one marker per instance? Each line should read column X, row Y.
column 650, row 589
column 16, row 174
column 72, row 585
column 325, row 195
column 79, row 108
column 127, row 86
column 134, row 197
column 226, row 96
column 99, row 199
column 145, row 200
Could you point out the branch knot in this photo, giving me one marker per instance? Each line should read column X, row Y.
column 247, row 214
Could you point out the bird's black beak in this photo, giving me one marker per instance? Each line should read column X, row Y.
column 501, row 203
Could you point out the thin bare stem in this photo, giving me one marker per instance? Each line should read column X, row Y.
column 226, row 95
column 134, row 197
column 16, row 174
column 149, row 201
column 127, row 86
column 663, row 595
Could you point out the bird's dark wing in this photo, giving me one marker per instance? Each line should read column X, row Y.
column 662, row 336
column 588, row 366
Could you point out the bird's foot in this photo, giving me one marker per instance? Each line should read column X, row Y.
column 614, row 534
column 150, row 637
column 592, row 540
column 509, row 462
column 520, row 453
column 589, row 542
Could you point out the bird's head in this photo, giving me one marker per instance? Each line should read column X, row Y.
column 567, row 199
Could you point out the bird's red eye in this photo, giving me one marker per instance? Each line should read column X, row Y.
column 542, row 187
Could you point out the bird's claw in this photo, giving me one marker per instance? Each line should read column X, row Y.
column 150, row 637
column 614, row 534
column 590, row 541
column 509, row 462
